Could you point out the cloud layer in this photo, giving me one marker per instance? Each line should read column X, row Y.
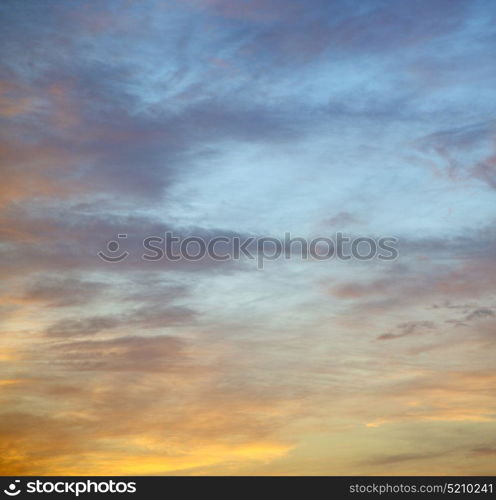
column 222, row 118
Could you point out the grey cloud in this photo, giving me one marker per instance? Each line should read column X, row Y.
column 145, row 317
column 407, row 329
column 481, row 313
column 485, row 170
column 469, row 244
column 133, row 353
column 63, row 292
column 485, row 451
column 401, row 457
column 308, row 30
column 68, row 240
column 475, row 314
column 78, row 327
column 452, row 145
column 342, row 219
column 452, row 269
column 461, row 137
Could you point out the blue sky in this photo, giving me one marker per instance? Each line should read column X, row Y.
column 225, row 117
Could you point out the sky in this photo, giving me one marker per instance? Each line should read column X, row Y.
column 238, row 117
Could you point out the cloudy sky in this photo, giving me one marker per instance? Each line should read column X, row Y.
column 237, row 117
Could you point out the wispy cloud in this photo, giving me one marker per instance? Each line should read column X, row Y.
column 232, row 118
